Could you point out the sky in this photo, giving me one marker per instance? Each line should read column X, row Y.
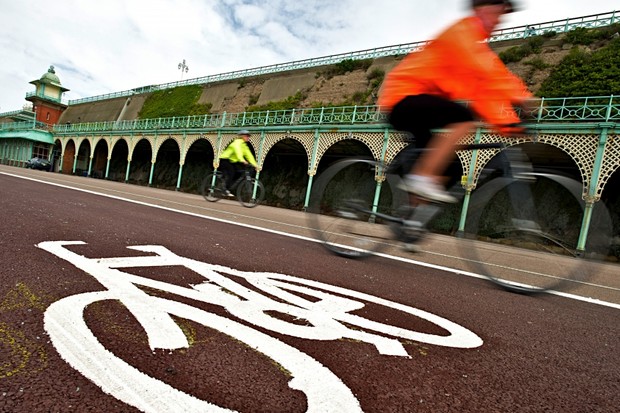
column 106, row 46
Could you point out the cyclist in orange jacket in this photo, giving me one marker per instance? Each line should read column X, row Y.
column 420, row 93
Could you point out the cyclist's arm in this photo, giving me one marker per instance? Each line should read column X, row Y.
column 248, row 156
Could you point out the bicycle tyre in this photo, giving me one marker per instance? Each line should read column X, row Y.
column 341, row 214
column 526, row 251
column 209, row 187
column 250, row 192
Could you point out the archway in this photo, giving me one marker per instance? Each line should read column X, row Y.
column 140, row 169
column 83, row 158
column 285, row 174
column 198, row 164
column 561, row 212
column 166, row 171
column 100, row 159
column 55, row 157
column 68, row 157
column 118, row 161
column 611, row 198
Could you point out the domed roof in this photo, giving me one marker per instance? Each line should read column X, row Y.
column 50, row 77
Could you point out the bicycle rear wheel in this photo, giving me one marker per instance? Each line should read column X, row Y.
column 210, row 188
column 346, row 207
column 528, row 244
column 250, row 192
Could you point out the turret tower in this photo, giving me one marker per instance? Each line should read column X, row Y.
column 47, row 98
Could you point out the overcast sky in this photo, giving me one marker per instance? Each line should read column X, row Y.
column 107, row 46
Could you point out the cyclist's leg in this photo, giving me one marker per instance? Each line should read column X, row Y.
column 228, row 170
column 238, row 170
column 419, row 115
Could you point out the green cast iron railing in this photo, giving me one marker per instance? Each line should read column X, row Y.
column 572, row 110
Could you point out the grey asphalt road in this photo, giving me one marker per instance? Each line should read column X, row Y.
column 123, row 298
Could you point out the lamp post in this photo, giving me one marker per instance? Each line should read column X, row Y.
column 183, row 68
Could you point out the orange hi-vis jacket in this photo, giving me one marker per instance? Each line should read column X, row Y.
column 458, row 65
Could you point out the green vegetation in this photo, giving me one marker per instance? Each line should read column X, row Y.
column 346, row 66
column 537, row 63
column 290, row 102
column 583, row 73
column 584, row 36
column 533, row 45
column 179, row 101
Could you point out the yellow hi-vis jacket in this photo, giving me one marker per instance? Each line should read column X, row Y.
column 238, row 151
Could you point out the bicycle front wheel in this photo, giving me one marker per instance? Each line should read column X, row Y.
column 529, row 244
column 210, row 187
column 250, row 192
column 349, row 208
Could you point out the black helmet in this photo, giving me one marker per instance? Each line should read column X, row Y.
column 511, row 5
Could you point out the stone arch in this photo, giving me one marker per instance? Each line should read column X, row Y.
column 161, row 140
column 328, row 139
column 198, row 160
column 119, row 156
column 285, row 172
column 69, row 151
column 305, row 139
column 99, row 158
column 611, row 163
column 583, row 159
column 190, row 140
column 167, row 163
column 84, row 151
column 134, row 140
column 141, row 160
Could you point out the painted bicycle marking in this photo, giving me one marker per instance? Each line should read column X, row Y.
column 326, row 317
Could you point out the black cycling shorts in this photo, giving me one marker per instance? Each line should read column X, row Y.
column 420, row 114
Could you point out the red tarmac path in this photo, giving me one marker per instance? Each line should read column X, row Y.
column 219, row 314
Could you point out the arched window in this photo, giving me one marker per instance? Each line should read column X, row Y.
column 48, row 116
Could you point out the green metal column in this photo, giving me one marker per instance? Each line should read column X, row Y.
column 260, row 156
column 591, row 197
column 90, row 166
column 315, row 149
column 181, row 163
column 75, row 159
column 179, row 177
column 468, row 185
column 379, row 175
column 107, row 168
column 151, row 172
column 127, row 171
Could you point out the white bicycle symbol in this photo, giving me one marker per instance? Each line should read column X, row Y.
column 327, row 318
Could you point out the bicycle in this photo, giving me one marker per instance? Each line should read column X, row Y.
column 514, row 251
column 248, row 190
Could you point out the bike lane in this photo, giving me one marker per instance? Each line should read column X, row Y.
column 151, row 310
